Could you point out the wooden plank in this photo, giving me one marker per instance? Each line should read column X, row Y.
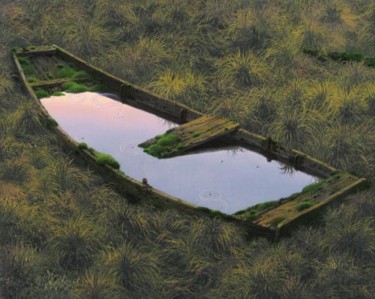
column 288, row 210
column 193, row 134
column 36, row 51
column 55, row 82
column 38, row 70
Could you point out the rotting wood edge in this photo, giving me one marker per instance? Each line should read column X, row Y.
column 271, row 233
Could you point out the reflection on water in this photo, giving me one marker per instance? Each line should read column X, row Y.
column 285, row 168
column 229, row 179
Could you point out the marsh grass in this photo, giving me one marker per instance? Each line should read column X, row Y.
column 169, row 84
column 25, row 120
column 19, row 271
column 135, row 271
column 246, row 69
column 97, row 284
column 15, row 171
column 64, row 233
column 68, row 177
column 75, row 243
column 6, row 84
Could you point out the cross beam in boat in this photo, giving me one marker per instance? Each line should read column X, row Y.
column 55, row 82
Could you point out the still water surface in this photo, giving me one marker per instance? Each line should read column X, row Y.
column 228, row 179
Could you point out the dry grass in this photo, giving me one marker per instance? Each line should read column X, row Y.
column 65, row 234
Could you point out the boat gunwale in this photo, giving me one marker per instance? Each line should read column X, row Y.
column 243, row 137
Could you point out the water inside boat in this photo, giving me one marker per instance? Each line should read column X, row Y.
column 227, row 179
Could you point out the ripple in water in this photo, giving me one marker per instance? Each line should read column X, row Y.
column 130, row 148
column 208, row 196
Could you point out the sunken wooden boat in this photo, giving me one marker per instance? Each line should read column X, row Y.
column 53, row 69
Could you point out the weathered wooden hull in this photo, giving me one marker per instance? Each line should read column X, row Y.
column 139, row 98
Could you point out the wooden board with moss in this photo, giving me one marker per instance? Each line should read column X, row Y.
column 188, row 136
column 52, row 74
column 276, row 213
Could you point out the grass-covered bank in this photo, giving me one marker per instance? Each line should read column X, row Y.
column 65, row 234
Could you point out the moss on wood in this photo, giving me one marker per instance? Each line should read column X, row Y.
column 163, row 145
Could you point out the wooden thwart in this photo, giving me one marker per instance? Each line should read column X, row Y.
column 55, row 82
column 192, row 134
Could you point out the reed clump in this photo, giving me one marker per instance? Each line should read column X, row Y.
column 64, row 233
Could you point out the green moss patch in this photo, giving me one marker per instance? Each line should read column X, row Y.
column 74, row 87
column 80, row 75
column 168, row 140
column 163, row 145
column 314, row 188
column 154, row 150
column 32, row 79
column 83, row 145
column 101, row 158
column 105, row 159
column 303, row 205
column 58, row 94
column 65, row 72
